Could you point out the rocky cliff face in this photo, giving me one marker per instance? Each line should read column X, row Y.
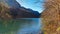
column 10, row 3
column 12, row 9
column 51, row 17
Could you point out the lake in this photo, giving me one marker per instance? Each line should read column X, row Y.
column 20, row 26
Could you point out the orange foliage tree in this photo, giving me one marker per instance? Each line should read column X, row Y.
column 51, row 17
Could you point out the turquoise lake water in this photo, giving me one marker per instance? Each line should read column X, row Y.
column 20, row 26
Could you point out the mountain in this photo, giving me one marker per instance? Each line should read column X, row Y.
column 12, row 9
column 10, row 3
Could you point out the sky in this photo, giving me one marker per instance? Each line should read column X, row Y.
column 32, row 4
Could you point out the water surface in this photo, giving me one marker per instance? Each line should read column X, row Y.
column 20, row 26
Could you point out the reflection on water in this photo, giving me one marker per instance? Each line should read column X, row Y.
column 20, row 26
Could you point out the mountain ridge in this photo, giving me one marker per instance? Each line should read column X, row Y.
column 14, row 10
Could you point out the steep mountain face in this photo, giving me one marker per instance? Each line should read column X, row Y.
column 4, row 12
column 10, row 3
column 12, row 9
column 26, row 13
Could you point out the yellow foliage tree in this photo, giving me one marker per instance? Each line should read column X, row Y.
column 51, row 17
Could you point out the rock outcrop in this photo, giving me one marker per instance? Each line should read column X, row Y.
column 12, row 9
